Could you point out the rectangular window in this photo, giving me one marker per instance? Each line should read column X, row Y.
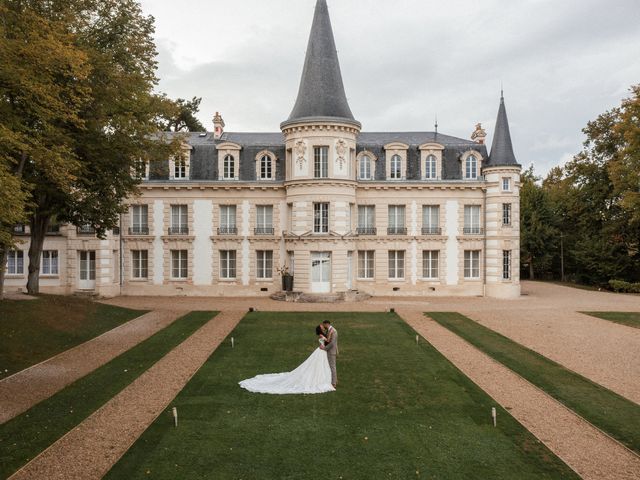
column 430, row 261
column 229, row 168
column 506, row 184
column 396, row 264
column 431, row 219
column 179, row 265
column 506, row 264
column 140, row 220
column 396, row 167
column 15, row 262
column 49, row 262
column 472, row 264
column 397, row 220
column 320, row 218
column 265, row 264
column 228, row 264
column 472, row 219
column 264, row 220
column 506, row 214
column 228, row 220
column 179, row 220
column 140, row 261
column 321, row 162
column 366, row 263
column 180, row 169
column 366, row 220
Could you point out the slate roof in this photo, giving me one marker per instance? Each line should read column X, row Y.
column 501, row 147
column 321, row 95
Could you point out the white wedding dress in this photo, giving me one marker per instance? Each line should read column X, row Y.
column 312, row 376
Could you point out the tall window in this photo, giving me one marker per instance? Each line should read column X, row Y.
column 506, row 214
column 431, row 220
column 15, row 262
column 366, row 220
column 321, row 162
column 506, row 264
column 430, row 172
column 430, row 259
column 471, row 168
column 140, row 261
column 264, row 220
column 396, row 167
column 49, row 262
column 396, row 264
column 179, row 220
column 320, row 218
column 472, row 220
column 265, row 264
column 506, row 184
column 179, row 264
column 228, row 264
column 397, row 220
column 228, row 220
column 472, row 264
column 366, row 260
column 180, row 169
column 266, row 168
column 141, row 170
column 365, row 168
column 229, row 168
column 140, row 219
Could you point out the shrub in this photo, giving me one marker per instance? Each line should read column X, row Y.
column 624, row 287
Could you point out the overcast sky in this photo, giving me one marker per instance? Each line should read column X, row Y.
column 562, row 63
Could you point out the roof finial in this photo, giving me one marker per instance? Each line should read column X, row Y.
column 501, row 92
column 436, row 123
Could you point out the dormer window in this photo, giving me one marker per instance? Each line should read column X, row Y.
column 396, row 160
column 396, row 168
column 365, row 168
column 431, row 168
column 229, row 168
column 471, row 168
column 265, row 166
column 140, row 170
column 180, row 169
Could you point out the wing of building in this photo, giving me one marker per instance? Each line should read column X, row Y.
column 336, row 208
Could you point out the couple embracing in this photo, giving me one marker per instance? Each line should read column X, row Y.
column 317, row 374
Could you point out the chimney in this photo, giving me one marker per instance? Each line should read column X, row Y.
column 218, row 126
column 479, row 135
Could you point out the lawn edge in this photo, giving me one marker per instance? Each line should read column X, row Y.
column 593, row 315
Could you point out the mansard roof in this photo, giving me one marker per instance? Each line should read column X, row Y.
column 321, row 96
column 501, row 147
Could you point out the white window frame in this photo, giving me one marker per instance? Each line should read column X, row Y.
column 507, row 216
column 229, row 167
column 228, row 215
column 472, row 264
column 179, row 264
column 506, row 264
column 366, row 217
column 49, row 264
column 140, row 264
column 397, row 217
column 431, row 167
column 228, row 264
column 472, row 219
column 15, row 262
column 264, row 217
column 321, row 218
column 506, row 184
column 266, row 167
column 396, row 264
column 320, row 162
column 471, row 167
column 140, row 170
column 180, row 218
column 395, row 172
column 264, row 264
column 180, row 169
column 366, row 264
column 140, row 219
column 430, row 264
column 431, row 219
column 365, row 167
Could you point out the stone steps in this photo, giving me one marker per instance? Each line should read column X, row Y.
column 300, row 297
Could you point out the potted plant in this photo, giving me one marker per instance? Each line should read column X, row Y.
column 287, row 278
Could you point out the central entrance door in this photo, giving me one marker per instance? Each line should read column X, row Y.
column 320, row 272
column 87, row 277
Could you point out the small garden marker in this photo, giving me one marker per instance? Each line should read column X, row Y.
column 417, row 339
column 494, row 415
column 175, row 416
column 232, row 342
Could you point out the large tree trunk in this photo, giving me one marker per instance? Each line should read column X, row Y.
column 531, row 274
column 3, row 262
column 39, row 225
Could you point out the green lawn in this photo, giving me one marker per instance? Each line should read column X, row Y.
column 630, row 319
column 607, row 410
column 34, row 330
column 402, row 411
column 28, row 434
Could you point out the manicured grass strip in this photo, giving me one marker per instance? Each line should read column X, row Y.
column 34, row 330
column 607, row 410
column 28, row 434
column 630, row 319
column 401, row 411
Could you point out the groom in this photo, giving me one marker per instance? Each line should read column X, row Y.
column 332, row 350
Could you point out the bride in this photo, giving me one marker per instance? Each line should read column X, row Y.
column 312, row 376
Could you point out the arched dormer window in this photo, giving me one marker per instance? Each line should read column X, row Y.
column 265, row 166
column 229, row 168
column 431, row 168
column 364, row 168
column 396, row 167
column 471, row 168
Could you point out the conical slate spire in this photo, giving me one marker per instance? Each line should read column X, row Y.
column 321, row 94
column 502, row 148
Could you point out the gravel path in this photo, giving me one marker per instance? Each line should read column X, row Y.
column 90, row 450
column 28, row 387
column 592, row 454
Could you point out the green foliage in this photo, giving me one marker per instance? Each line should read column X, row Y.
column 401, row 411
column 183, row 118
column 607, row 410
column 624, row 287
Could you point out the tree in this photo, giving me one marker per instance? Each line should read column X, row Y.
column 182, row 116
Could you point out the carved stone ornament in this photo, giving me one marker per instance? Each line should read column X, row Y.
column 341, row 150
column 301, row 151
